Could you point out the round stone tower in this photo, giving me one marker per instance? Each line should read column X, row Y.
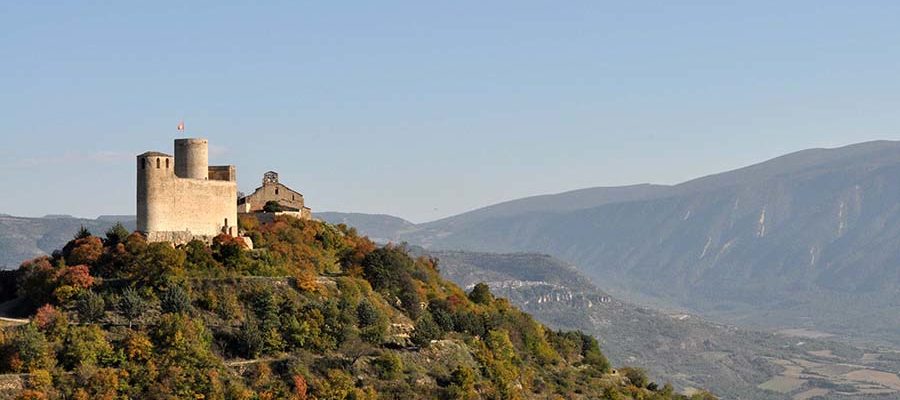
column 192, row 158
column 154, row 169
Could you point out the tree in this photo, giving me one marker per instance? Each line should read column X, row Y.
column 31, row 350
column 82, row 233
column 388, row 366
column 272, row 206
column 462, row 384
column 131, row 305
column 85, row 345
column 481, row 294
column 91, row 307
column 116, row 234
column 426, row 331
column 175, row 300
column 637, row 376
column 373, row 323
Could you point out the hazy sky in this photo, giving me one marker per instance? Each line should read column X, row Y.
column 424, row 110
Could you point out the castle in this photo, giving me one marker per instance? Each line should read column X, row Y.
column 183, row 198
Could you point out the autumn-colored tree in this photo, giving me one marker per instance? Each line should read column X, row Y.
column 83, row 251
column 300, row 387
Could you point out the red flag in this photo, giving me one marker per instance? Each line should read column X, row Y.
column 181, row 126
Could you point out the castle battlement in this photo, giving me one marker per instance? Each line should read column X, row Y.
column 182, row 197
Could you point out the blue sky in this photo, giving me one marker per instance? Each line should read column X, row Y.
column 427, row 109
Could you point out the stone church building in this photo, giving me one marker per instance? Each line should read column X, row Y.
column 290, row 201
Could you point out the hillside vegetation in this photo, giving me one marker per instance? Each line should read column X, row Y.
column 685, row 349
column 314, row 312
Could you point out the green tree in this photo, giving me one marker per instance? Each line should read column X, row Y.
column 388, row 366
column 481, row 294
column 31, row 349
column 373, row 324
column 426, row 331
column 462, row 384
column 83, row 233
column 637, row 376
column 116, row 234
column 91, row 307
column 85, row 345
column 272, row 206
column 132, row 305
column 175, row 299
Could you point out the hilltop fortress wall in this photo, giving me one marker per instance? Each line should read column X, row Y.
column 181, row 198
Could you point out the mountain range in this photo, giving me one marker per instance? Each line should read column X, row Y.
column 809, row 240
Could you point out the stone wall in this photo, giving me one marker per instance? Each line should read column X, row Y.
column 198, row 207
column 222, row 173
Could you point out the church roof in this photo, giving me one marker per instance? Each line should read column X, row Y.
column 154, row 154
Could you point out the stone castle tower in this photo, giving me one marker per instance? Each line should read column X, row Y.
column 182, row 198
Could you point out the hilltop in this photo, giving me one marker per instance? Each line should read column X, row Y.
column 314, row 311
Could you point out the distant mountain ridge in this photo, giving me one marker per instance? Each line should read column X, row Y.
column 23, row 238
column 809, row 239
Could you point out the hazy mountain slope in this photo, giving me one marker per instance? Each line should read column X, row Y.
column 378, row 227
column 24, row 238
column 809, row 239
column 734, row 363
column 815, row 233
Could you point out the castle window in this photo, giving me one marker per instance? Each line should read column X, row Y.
column 157, row 163
column 226, row 222
column 167, row 163
column 276, row 191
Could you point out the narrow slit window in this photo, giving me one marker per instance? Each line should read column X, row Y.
column 167, row 163
column 157, row 163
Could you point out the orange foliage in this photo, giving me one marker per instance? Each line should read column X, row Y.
column 46, row 316
column 300, row 387
column 29, row 394
column 78, row 276
column 83, row 251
